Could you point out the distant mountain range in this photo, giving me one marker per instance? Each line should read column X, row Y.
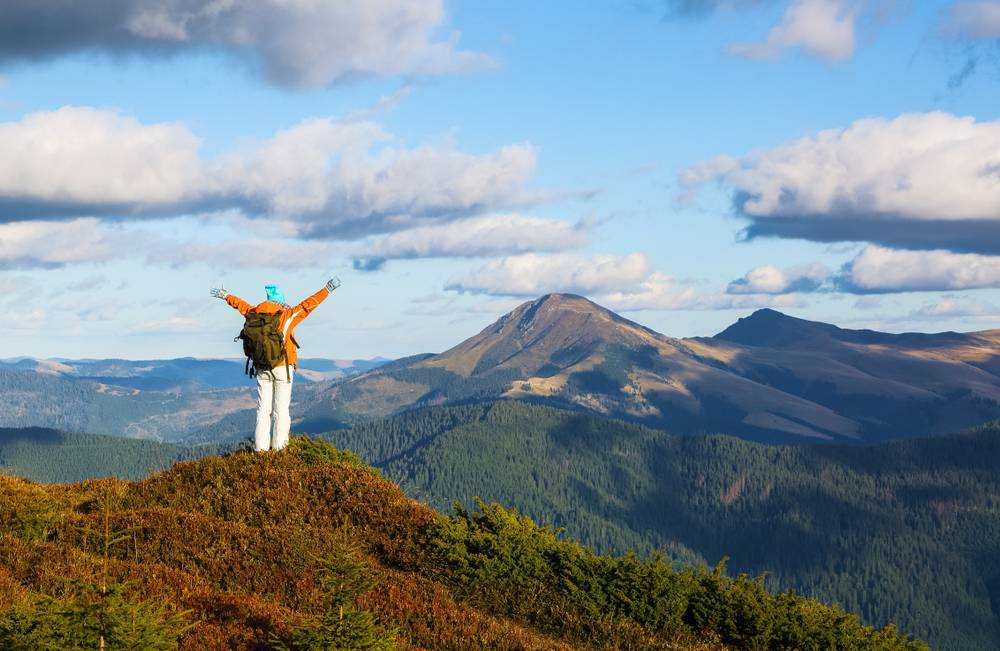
column 151, row 399
column 769, row 377
column 181, row 374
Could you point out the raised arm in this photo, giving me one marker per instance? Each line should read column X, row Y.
column 303, row 309
column 239, row 304
column 234, row 301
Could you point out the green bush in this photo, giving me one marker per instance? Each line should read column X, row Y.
column 343, row 577
column 89, row 618
column 26, row 511
column 315, row 452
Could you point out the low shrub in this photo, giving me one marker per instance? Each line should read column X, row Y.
column 92, row 619
column 26, row 510
column 343, row 577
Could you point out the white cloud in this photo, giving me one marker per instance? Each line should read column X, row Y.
column 658, row 291
column 51, row 244
column 325, row 175
column 819, row 28
column 305, row 43
column 81, row 155
column 949, row 307
column 768, row 279
column 619, row 282
column 533, row 274
column 485, row 236
column 923, row 180
column 54, row 244
column 878, row 269
column 330, row 178
column 977, row 19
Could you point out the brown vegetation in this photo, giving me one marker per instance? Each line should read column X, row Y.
column 235, row 543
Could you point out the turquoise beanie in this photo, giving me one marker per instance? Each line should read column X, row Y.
column 274, row 294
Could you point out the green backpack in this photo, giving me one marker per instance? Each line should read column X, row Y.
column 262, row 342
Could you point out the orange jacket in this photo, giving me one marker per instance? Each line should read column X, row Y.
column 290, row 317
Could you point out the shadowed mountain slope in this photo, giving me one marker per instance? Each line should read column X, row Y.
column 768, row 377
column 891, row 385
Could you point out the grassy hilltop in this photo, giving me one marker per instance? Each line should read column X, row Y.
column 308, row 548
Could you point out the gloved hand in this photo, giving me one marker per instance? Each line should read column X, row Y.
column 219, row 292
column 332, row 284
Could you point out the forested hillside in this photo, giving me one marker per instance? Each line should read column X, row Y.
column 308, row 549
column 905, row 532
column 47, row 455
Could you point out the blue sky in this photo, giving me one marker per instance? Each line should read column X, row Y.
column 449, row 160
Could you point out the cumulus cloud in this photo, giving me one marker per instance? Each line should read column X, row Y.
column 950, row 307
column 306, row 43
column 925, row 180
column 491, row 235
column 533, row 274
column 819, row 28
column 79, row 159
column 768, row 279
column 51, row 244
column 878, row 269
column 976, row 19
column 35, row 244
column 54, row 244
column 331, row 179
column 619, row 282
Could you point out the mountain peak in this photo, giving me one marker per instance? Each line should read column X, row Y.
column 554, row 331
column 568, row 311
column 767, row 327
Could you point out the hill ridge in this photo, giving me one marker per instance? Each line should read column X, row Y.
column 767, row 326
column 243, row 542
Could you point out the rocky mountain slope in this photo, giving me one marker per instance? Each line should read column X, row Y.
column 769, row 377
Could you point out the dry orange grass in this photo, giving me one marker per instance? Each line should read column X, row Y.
column 237, row 540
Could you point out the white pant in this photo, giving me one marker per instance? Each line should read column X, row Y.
column 274, row 395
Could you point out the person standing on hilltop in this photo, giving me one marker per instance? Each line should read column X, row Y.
column 272, row 354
